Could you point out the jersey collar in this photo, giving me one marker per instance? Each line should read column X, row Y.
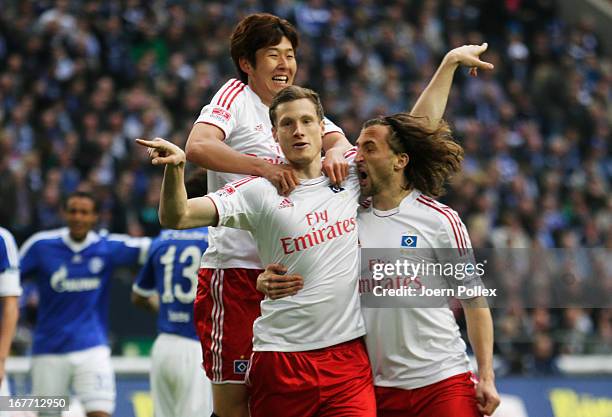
column 91, row 238
column 407, row 200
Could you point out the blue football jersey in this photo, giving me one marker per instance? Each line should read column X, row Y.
column 73, row 282
column 9, row 265
column 171, row 270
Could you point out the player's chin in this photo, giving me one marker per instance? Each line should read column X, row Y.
column 365, row 190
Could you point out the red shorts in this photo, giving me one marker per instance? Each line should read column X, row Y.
column 330, row 382
column 226, row 305
column 451, row 397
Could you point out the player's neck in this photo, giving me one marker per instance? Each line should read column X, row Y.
column 264, row 96
column 78, row 238
column 390, row 197
column 309, row 170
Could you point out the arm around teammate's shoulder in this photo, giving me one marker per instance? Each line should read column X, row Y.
column 206, row 148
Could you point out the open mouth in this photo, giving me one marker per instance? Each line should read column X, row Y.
column 300, row 145
column 280, row 80
column 363, row 176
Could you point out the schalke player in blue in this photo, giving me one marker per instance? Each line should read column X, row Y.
column 10, row 290
column 73, row 267
column 167, row 284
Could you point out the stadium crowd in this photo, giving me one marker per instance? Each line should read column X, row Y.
column 80, row 80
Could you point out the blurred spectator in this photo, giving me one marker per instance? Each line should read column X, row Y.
column 543, row 358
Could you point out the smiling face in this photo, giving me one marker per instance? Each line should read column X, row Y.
column 377, row 164
column 299, row 131
column 81, row 216
column 274, row 69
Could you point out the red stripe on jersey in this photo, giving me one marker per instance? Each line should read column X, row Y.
column 234, row 97
column 350, row 152
column 454, row 217
column 217, row 325
column 438, row 209
column 366, row 203
column 232, row 93
column 229, row 86
column 459, row 226
column 241, row 182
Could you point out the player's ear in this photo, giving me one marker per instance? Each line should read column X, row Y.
column 401, row 161
column 245, row 65
column 275, row 133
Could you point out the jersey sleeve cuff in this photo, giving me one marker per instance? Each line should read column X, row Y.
column 145, row 245
column 9, row 284
column 142, row 291
column 207, row 122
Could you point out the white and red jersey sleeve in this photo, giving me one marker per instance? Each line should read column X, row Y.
column 330, row 127
column 240, row 203
column 452, row 233
column 452, row 244
column 224, row 109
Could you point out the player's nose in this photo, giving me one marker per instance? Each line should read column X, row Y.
column 359, row 156
column 282, row 62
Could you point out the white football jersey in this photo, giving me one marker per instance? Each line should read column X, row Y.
column 413, row 347
column 245, row 121
column 313, row 232
column 9, row 266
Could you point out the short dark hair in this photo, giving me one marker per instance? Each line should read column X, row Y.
column 82, row 194
column 195, row 184
column 434, row 156
column 292, row 93
column 256, row 31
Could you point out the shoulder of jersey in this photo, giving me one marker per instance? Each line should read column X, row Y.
column 6, row 236
column 246, row 183
column 41, row 236
column 8, row 245
column 230, row 94
column 437, row 212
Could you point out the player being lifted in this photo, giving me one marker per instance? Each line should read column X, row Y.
column 73, row 267
column 233, row 134
column 167, row 285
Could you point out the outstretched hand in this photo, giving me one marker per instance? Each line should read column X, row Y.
column 163, row 152
column 469, row 56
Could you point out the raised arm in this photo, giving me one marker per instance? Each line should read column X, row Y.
column 432, row 101
column 175, row 210
column 205, row 148
column 480, row 333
